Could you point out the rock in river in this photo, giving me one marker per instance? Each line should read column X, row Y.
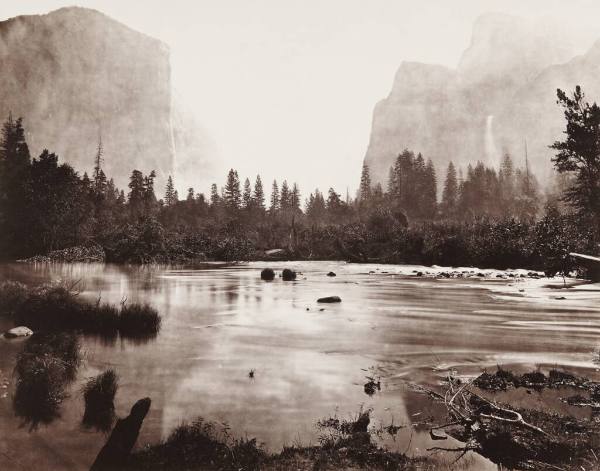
column 288, row 275
column 330, row 299
column 267, row 274
column 20, row 331
column 331, row 274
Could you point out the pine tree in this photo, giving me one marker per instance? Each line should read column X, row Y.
column 190, row 195
column 316, row 210
column 259, row 194
column 232, row 194
column 578, row 153
column 295, row 198
column 15, row 187
column 98, row 175
column 285, row 197
column 150, row 202
column 364, row 191
column 135, row 198
column 215, row 198
column 85, row 182
column 247, row 195
column 274, row 207
column 506, row 177
column 170, row 192
column 450, row 193
column 429, row 191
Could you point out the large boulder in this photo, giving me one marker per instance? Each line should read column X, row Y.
column 20, row 331
column 267, row 274
column 288, row 275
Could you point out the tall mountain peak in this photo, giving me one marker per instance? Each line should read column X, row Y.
column 502, row 93
column 76, row 75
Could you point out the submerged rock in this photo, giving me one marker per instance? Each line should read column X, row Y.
column 20, row 331
column 331, row 274
column 330, row 299
column 267, row 274
column 288, row 275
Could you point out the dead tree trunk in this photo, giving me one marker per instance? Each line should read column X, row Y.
column 115, row 452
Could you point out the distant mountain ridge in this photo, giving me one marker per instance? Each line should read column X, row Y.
column 501, row 95
column 76, row 75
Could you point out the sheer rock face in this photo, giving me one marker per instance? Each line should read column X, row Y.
column 75, row 75
column 502, row 93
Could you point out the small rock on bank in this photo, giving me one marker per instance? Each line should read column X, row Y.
column 20, row 331
column 330, row 299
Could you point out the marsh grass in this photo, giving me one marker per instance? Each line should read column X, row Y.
column 139, row 320
column 99, row 395
column 202, row 445
column 57, row 307
column 45, row 366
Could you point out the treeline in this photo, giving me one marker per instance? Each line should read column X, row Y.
column 508, row 192
column 46, row 205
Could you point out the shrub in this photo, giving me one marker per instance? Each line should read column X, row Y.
column 200, row 445
column 12, row 296
column 99, row 394
column 57, row 308
column 46, row 365
column 139, row 320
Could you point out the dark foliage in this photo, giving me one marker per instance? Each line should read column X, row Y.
column 99, row 394
column 57, row 308
column 47, row 364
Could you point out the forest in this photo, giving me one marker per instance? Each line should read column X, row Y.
column 485, row 217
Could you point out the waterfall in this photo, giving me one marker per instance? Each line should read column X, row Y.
column 491, row 152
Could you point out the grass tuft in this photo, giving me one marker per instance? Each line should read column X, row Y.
column 99, row 395
column 58, row 308
column 45, row 366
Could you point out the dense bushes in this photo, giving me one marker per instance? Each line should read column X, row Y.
column 544, row 245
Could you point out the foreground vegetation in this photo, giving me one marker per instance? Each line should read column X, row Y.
column 57, row 308
column 201, row 445
column 45, row 367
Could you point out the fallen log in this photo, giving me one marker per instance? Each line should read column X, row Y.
column 113, row 455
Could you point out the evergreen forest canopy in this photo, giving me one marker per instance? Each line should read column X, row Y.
column 486, row 217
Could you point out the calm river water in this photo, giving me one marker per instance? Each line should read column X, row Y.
column 310, row 360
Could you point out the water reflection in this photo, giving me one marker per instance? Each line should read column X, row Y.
column 221, row 323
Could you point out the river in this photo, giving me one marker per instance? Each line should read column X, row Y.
column 309, row 360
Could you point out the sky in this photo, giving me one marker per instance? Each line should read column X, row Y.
column 287, row 88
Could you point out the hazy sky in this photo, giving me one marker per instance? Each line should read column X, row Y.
column 287, row 88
